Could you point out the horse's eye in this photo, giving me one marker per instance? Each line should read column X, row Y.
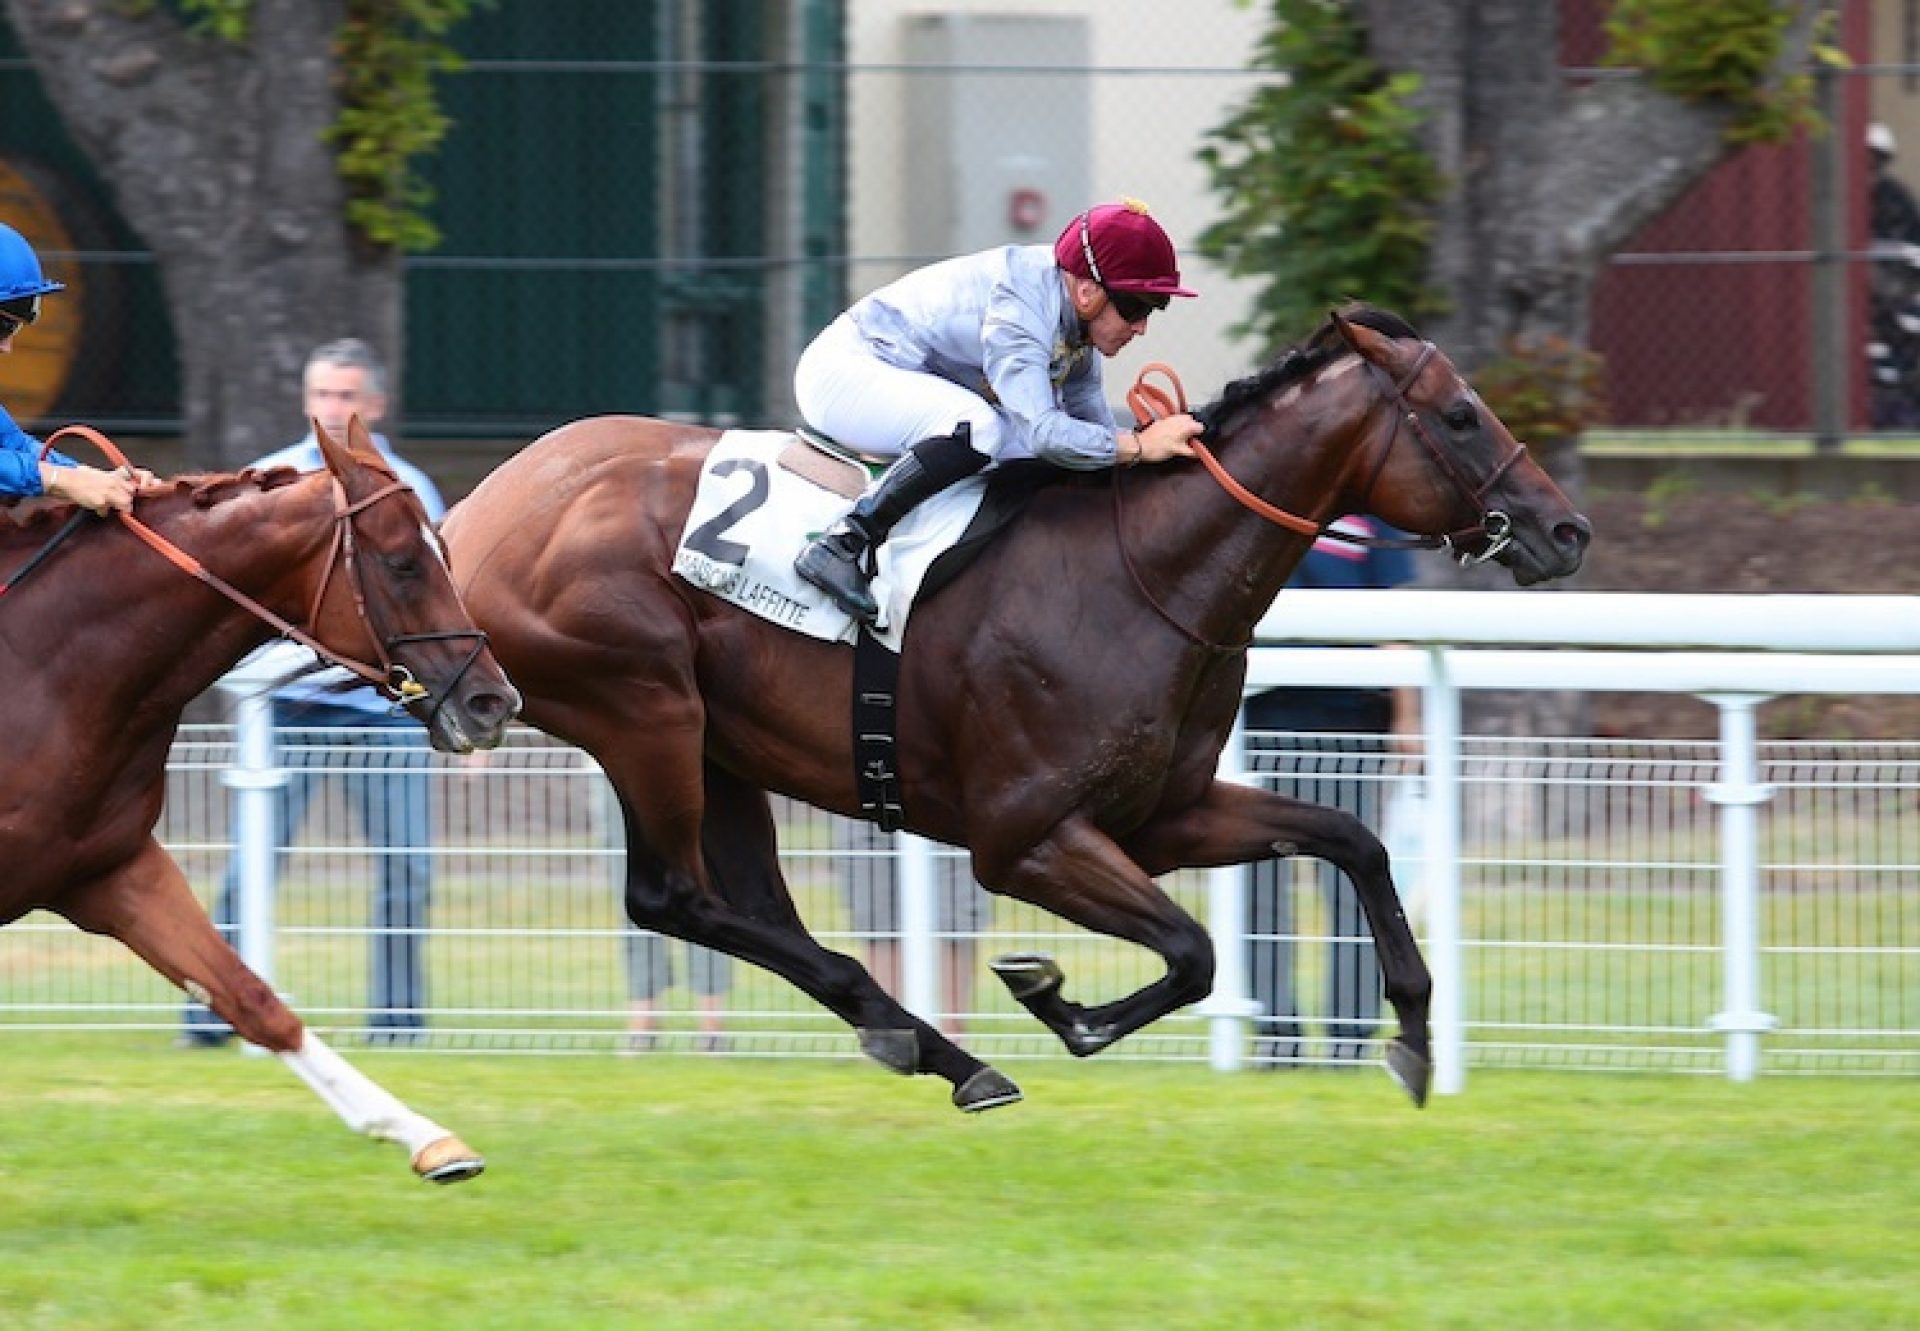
column 402, row 566
column 1462, row 417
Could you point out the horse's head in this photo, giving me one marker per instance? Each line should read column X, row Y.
column 1434, row 459
column 397, row 596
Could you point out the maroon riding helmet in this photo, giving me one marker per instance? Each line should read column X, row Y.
column 1123, row 249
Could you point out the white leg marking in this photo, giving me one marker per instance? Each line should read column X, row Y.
column 360, row 1103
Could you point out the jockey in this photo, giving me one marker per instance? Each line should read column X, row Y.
column 980, row 359
column 22, row 470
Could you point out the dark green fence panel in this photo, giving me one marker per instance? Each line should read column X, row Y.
column 542, row 302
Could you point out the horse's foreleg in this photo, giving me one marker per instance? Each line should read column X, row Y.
column 437, row 1154
column 1081, row 875
column 1237, row 824
column 148, row 906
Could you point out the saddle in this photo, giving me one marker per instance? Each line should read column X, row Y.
column 833, row 466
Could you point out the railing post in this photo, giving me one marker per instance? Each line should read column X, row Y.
column 919, row 959
column 1440, row 713
column 256, row 779
column 1229, row 1008
column 1739, row 795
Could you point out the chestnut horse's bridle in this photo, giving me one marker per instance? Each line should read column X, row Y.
column 392, row 679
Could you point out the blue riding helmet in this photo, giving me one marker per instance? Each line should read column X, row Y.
column 20, row 275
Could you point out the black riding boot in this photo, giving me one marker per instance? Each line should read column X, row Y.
column 840, row 563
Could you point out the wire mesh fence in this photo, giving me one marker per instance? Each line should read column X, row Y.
column 1592, row 922
column 753, row 168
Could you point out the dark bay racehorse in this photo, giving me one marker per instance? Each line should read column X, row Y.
column 105, row 643
column 1061, row 705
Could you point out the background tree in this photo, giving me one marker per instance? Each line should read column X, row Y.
column 260, row 148
column 1434, row 158
column 1526, row 184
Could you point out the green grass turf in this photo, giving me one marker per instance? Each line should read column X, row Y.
column 142, row 1187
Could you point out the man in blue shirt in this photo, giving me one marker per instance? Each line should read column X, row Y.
column 23, row 471
column 354, row 733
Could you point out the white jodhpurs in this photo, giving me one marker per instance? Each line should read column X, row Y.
column 847, row 392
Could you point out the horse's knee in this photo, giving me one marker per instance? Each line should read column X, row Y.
column 256, row 1012
column 659, row 900
column 1190, row 964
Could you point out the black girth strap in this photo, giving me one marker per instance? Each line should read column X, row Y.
column 876, row 773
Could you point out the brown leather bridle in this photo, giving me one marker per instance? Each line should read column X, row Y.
column 1494, row 532
column 1150, row 402
column 391, row 678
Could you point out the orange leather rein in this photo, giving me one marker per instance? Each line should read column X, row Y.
column 1150, row 402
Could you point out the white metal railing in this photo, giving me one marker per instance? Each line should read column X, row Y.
column 1650, row 904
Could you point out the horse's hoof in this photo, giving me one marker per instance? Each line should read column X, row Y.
column 1411, row 1069
column 985, row 1089
column 897, row 1051
column 448, row 1160
column 1083, row 1041
column 1028, row 975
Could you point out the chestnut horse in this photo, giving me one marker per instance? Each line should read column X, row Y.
column 104, row 644
column 1061, row 704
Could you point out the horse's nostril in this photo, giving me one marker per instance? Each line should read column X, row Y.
column 1575, row 532
column 492, row 707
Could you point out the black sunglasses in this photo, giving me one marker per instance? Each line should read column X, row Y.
column 1133, row 307
column 18, row 314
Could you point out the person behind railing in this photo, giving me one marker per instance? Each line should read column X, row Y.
column 23, row 472
column 870, row 885
column 377, row 755
column 1330, row 746
column 650, row 973
column 1893, row 294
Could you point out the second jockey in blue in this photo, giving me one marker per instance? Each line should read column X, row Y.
column 22, row 470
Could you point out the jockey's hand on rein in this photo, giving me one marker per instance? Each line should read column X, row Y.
column 1168, row 437
column 91, row 488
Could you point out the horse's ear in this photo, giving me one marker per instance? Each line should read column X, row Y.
column 1368, row 343
column 360, row 439
column 1345, row 328
column 336, row 454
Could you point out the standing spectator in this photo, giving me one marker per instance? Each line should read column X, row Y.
column 1893, row 342
column 327, row 721
column 649, row 963
column 1333, row 746
column 962, row 909
column 1893, row 215
column 650, row 974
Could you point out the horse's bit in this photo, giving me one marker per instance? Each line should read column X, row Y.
column 392, row 679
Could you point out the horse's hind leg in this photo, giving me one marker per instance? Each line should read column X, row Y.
column 147, row 904
column 748, row 912
column 1081, row 875
column 1238, row 824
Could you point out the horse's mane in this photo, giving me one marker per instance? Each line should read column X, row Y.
column 199, row 489
column 208, row 488
column 1297, row 363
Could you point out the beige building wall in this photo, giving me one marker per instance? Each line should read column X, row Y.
column 1164, row 74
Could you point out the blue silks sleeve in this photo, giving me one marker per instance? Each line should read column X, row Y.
column 20, row 459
